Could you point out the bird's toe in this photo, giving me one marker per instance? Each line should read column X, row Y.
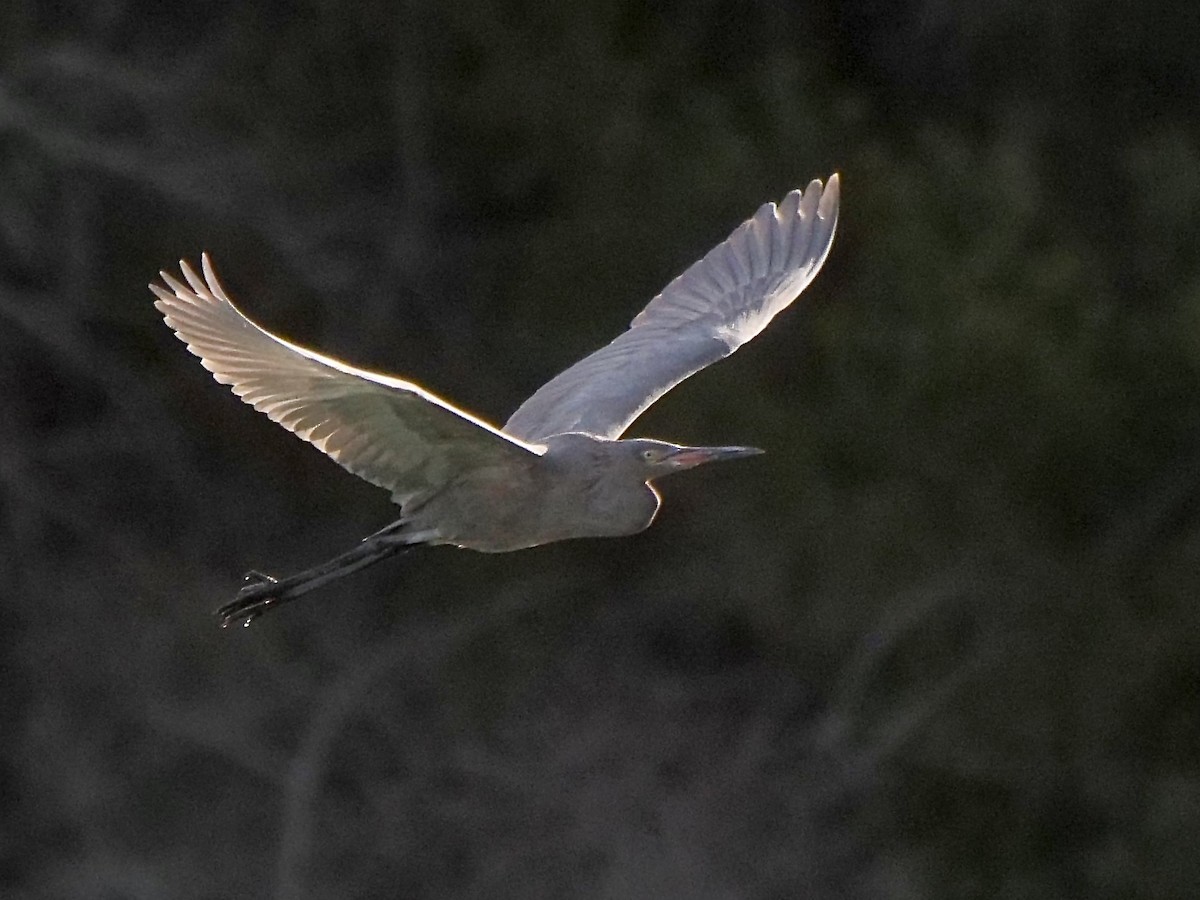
column 257, row 595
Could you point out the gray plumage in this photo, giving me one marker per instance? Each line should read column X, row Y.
column 722, row 301
column 557, row 469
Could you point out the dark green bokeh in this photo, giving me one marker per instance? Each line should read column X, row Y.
column 941, row 641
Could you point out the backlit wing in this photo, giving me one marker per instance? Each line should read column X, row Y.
column 390, row 432
column 718, row 304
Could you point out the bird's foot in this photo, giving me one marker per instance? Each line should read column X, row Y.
column 259, row 594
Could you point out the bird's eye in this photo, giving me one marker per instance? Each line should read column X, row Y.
column 649, row 454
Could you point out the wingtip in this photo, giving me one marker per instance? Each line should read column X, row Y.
column 830, row 197
column 210, row 275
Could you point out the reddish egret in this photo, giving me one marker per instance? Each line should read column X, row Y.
column 558, row 468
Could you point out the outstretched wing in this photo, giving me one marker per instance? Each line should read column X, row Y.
column 387, row 431
column 718, row 304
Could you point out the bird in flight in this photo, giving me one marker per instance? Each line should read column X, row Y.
column 558, row 468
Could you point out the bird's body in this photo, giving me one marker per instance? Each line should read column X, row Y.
column 558, row 469
column 582, row 486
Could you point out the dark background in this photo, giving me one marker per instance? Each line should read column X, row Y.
column 941, row 641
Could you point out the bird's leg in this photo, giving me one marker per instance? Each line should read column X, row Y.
column 262, row 592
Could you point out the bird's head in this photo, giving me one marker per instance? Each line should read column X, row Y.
column 655, row 459
column 640, row 459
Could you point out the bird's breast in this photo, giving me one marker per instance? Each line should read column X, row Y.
column 498, row 512
column 612, row 510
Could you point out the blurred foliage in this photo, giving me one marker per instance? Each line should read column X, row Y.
column 941, row 641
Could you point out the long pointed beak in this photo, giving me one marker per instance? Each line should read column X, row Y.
column 690, row 457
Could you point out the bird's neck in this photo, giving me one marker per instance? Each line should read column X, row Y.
column 624, row 506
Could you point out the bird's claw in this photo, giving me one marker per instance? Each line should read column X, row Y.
column 257, row 595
